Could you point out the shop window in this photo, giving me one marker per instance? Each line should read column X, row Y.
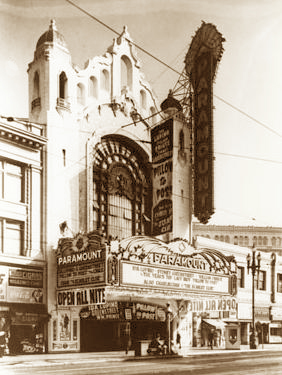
column 121, row 191
column 74, row 331
column 241, row 277
column 275, row 331
column 279, row 283
column 55, row 332
column 12, row 237
column 11, row 181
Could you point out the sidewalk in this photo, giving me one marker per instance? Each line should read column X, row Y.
column 29, row 360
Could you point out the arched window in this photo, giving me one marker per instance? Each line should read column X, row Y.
column 221, row 238
column 260, row 241
column 216, row 237
column 36, row 89
column 93, row 87
column 80, row 94
column 273, row 241
column 63, row 86
column 227, row 239
column 241, row 240
column 235, row 240
column 126, row 73
column 265, row 241
column 246, row 241
column 255, row 241
column 121, row 189
column 105, row 80
column 143, row 99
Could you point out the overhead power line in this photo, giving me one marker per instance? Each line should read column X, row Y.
column 171, row 68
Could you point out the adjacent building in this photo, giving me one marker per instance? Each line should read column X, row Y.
column 23, row 267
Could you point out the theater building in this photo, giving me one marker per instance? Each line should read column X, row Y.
column 122, row 265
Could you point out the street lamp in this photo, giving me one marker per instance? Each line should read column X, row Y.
column 253, row 263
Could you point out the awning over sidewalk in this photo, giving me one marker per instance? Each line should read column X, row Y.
column 215, row 323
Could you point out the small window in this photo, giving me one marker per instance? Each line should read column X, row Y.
column 93, row 87
column 241, row 277
column 36, row 88
column 13, row 238
column 11, row 181
column 80, row 94
column 279, row 283
column 260, row 278
column 143, row 99
column 105, row 80
column 63, row 85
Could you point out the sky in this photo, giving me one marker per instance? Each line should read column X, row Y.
column 247, row 88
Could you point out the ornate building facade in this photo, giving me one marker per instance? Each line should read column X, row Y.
column 23, row 298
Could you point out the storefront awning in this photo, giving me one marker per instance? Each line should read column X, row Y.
column 215, row 323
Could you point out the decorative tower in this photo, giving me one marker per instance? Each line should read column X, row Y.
column 171, row 174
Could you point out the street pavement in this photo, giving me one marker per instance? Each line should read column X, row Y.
column 29, row 360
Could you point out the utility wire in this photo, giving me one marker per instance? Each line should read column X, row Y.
column 117, row 33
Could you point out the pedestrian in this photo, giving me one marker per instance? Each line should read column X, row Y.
column 178, row 340
column 211, row 338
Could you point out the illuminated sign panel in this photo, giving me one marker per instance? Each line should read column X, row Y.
column 162, row 150
column 146, row 275
column 203, row 139
column 81, row 261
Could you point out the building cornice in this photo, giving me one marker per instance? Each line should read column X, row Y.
column 21, row 137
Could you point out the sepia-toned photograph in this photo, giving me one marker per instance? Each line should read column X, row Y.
column 140, row 187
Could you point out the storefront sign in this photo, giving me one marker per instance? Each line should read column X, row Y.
column 25, row 278
column 162, row 151
column 24, row 295
column 220, row 304
column 79, row 297
column 124, row 310
column 168, row 278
